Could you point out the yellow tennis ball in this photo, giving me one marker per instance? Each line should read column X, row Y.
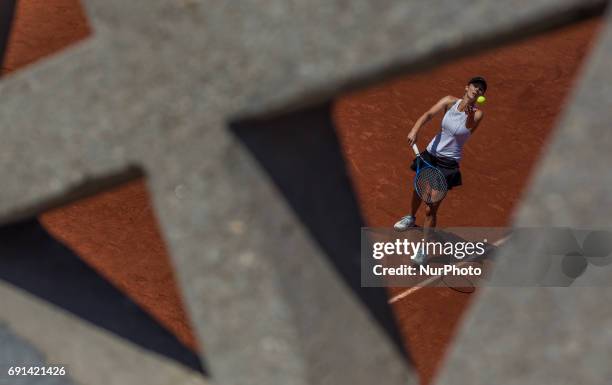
column 481, row 99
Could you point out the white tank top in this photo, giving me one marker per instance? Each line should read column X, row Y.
column 449, row 142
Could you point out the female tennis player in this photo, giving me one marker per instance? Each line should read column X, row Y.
column 461, row 118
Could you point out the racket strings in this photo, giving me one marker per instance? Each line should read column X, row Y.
column 431, row 185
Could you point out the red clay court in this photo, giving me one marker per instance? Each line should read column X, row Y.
column 117, row 234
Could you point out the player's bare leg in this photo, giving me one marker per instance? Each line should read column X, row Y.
column 431, row 212
column 416, row 203
column 409, row 220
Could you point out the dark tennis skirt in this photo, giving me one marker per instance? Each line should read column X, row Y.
column 448, row 166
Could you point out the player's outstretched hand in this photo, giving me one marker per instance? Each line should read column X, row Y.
column 412, row 138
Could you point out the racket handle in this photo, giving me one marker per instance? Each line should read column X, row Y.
column 415, row 149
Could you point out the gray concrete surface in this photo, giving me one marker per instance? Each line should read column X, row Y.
column 35, row 331
column 17, row 354
column 153, row 91
column 553, row 335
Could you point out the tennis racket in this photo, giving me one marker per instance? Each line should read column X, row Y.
column 429, row 181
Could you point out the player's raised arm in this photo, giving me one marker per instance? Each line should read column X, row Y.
column 474, row 120
column 426, row 117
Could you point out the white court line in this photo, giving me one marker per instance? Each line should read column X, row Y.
column 429, row 281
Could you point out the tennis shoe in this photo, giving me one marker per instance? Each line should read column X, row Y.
column 405, row 223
